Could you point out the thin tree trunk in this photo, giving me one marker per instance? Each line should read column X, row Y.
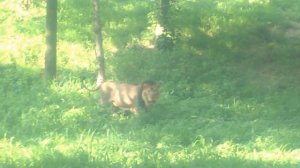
column 164, row 11
column 163, row 31
column 162, row 18
column 99, row 44
column 51, row 31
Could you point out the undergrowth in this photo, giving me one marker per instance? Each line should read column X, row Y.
column 229, row 91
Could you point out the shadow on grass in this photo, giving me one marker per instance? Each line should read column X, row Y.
column 231, row 162
column 82, row 160
column 19, row 92
column 56, row 159
column 31, row 108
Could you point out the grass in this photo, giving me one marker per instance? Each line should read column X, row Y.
column 228, row 103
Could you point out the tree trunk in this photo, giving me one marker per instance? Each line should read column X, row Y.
column 163, row 32
column 99, row 44
column 51, row 31
column 162, row 18
column 164, row 11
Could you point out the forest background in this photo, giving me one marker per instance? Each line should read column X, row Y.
column 229, row 72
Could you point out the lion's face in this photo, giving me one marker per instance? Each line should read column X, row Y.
column 150, row 93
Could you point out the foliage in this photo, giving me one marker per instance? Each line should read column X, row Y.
column 229, row 86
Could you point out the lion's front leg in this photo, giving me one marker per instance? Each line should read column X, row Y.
column 135, row 111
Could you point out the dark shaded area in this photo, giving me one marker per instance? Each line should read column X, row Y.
column 233, row 75
column 30, row 107
column 82, row 160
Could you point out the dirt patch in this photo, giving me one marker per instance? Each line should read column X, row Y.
column 293, row 31
column 290, row 30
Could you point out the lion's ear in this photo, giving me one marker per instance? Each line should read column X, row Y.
column 156, row 86
column 146, row 85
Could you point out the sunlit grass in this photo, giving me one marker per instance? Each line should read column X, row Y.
column 117, row 149
column 214, row 111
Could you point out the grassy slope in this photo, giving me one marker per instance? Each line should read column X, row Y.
column 239, row 112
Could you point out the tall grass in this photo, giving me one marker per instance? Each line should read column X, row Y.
column 228, row 99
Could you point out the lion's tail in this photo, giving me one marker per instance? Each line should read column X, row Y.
column 97, row 87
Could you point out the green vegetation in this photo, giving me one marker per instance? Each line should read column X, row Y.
column 230, row 87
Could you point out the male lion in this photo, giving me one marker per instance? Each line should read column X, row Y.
column 128, row 96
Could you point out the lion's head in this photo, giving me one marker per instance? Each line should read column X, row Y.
column 149, row 92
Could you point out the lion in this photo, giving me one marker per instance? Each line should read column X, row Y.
column 128, row 96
